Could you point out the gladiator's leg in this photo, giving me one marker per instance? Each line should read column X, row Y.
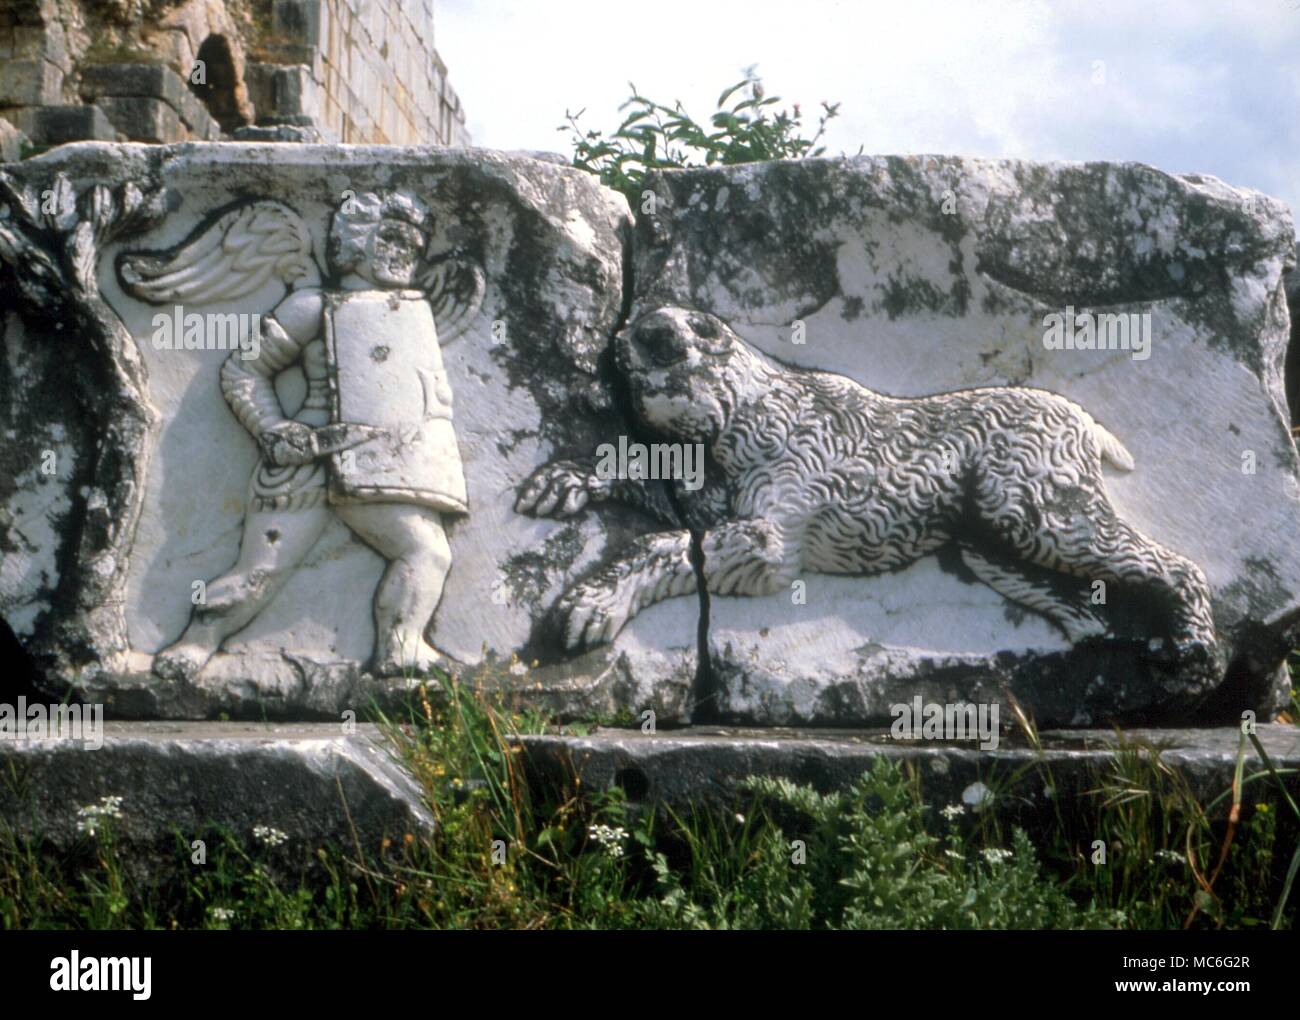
column 273, row 544
column 414, row 542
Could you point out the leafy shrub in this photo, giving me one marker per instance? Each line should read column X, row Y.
column 858, row 858
column 745, row 129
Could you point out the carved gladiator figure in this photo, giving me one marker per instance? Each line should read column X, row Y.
column 373, row 440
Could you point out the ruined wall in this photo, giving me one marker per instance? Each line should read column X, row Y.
column 182, row 70
column 365, row 71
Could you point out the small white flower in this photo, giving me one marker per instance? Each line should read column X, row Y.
column 954, row 854
column 996, row 855
column 268, row 836
column 953, row 810
column 606, row 833
column 611, row 838
column 740, row 818
column 1171, row 855
column 222, row 914
column 91, row 816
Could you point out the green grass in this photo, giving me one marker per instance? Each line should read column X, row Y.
column 510, row 854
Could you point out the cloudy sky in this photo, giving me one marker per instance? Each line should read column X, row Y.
column 1208, row 86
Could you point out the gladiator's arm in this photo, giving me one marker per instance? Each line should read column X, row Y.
column 249, row 385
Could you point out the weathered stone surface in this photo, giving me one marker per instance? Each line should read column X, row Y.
column 318, row 785
column 29, row 83
column 1293, row 350
column 954, row 300
column 281, row 91
column 702, row 765
column 195, row 116
column 309, row 781
column 58, row 125
column 128, row 83
column 891, row 473
column 912, row 277
column 305, row 133
column 213, row 35
column 142, row 119
column 375, row 76
column 187, row 531
column 157, row 81
column 11, row 142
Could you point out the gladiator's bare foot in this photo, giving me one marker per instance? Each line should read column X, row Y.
column 412, row 660
column 181, row 662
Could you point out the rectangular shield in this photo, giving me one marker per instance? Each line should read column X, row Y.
column 385, row 371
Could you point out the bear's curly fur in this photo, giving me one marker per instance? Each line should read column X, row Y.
column 824, row 475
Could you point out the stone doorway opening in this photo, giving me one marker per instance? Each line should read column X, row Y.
column 215, row 82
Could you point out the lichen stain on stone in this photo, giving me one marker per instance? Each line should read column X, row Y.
column 903, row 295
column 530, row 574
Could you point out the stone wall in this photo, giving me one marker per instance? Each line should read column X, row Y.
column 200, row 70
column 364, row 71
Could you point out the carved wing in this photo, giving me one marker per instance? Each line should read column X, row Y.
column 234, row 255
column 455, row 290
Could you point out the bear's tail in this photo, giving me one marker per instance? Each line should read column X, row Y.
column 1111, row 448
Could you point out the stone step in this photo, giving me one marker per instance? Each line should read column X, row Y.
column 319, row 785
column 311, row 781
column 705, row 765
